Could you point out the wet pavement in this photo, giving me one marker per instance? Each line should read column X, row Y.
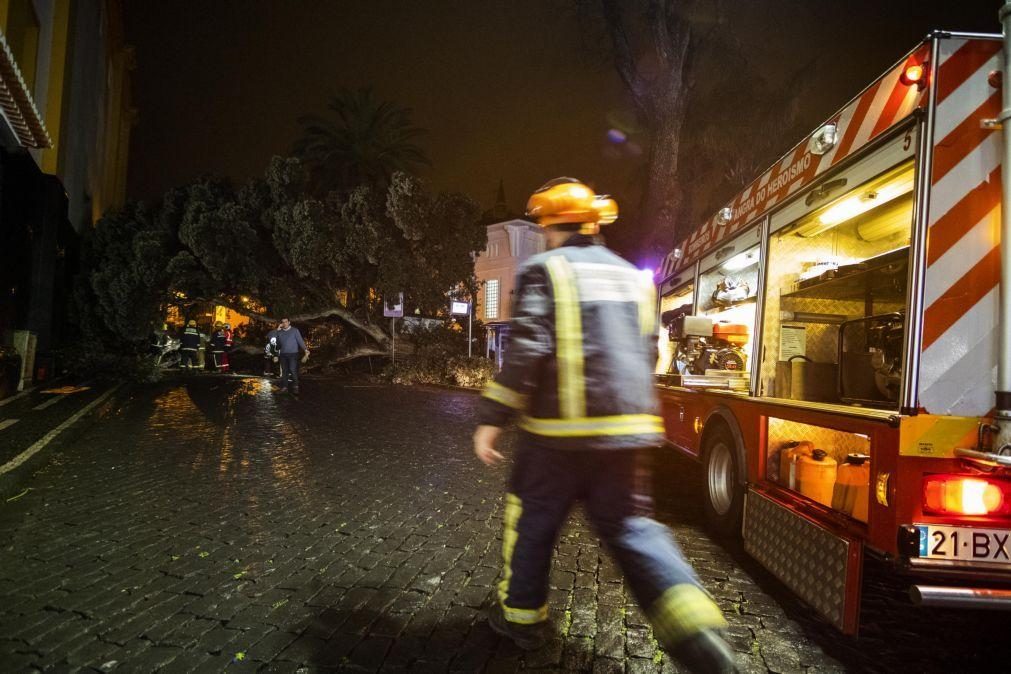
column 213, row 524
column 33, row 420
column 26, row 418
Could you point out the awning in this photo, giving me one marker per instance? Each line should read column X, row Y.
column 16, row 102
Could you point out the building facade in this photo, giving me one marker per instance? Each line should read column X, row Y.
column 509, row 243
column 64, row 136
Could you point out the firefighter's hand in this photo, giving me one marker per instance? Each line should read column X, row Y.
column 484, row 444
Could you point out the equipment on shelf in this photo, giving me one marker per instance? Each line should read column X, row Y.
column 870, row 359
column 702, row 345
column 816, row 475
column 730, row 291
column 853, row 479
column 788, row 456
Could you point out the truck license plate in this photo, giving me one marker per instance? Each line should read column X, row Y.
column 965, row 544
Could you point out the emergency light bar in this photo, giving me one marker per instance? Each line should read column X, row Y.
column 915, row 73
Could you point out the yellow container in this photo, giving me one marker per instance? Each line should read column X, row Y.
column 816, row 476
column 788, row 461
column 852, row 487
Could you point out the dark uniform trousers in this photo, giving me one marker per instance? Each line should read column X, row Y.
column 187, row 357
column 615, row 491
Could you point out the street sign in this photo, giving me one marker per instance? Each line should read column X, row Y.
column 393, row 307
column 460, row 308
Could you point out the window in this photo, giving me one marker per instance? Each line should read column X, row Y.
column 491, row 299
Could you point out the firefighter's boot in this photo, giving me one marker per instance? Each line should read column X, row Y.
column 705, row 652
column 526, row 637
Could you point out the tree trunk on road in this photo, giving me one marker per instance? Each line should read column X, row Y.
column 370, row 330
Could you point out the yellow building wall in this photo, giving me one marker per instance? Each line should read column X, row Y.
column 226, row 315
column 57, row 85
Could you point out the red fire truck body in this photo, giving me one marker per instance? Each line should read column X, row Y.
column 830, row 342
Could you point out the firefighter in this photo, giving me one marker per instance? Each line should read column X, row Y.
column 189, row 344
column 271, row 353
column 578, row 372
column 228, row 339
column 218, row 346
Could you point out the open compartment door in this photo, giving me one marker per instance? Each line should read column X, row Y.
column 821, row 567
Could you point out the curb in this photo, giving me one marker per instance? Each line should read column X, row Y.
column 451, row 387
column 16, row 472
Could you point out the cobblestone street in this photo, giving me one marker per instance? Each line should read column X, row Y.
column 214, row 524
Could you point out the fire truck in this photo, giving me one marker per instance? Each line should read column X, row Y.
column 835, row 348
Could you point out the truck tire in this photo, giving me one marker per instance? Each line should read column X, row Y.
column 724, row 497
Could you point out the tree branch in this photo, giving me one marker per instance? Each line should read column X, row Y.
column 624, row 62
column 360, row 352
column 342, row 313
column 656, row 16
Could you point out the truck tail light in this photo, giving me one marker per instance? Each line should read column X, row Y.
column 964, row 495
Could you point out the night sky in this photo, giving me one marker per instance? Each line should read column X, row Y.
column 508, row 89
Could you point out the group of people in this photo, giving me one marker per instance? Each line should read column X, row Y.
column 284, row 349
column 219, row 344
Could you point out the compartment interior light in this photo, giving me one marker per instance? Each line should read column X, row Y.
column 889, row 220
column 741, row 261
column 882, row 190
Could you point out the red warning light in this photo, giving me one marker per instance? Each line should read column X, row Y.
column 915, row 73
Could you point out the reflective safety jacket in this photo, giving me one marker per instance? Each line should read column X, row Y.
column 582, row 347
column 218, row 341
column 190, row 340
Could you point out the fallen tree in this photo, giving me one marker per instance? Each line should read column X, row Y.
column 271, row 249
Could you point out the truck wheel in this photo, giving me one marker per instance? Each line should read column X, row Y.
column 724, row 500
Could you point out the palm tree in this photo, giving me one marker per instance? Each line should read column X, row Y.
column 364, row 141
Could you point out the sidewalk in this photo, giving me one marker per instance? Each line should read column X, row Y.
column 34, row 422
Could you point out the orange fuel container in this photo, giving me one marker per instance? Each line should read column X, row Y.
column 816, row 476
column 852, row 486
column 788, row 461
column 735, row 333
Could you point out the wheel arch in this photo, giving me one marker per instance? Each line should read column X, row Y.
column 722, row 418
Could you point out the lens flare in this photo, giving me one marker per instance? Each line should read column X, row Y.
column 616, row 136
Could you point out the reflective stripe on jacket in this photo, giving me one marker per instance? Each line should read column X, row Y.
column 190, row 339
column 582, row 347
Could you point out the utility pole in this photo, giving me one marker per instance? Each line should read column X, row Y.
column 470, row 327
column 392, row 311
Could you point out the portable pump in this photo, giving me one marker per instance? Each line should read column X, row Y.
column 702, row 345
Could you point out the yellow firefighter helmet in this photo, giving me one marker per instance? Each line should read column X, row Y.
column 191, row 323
column 567, row 200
